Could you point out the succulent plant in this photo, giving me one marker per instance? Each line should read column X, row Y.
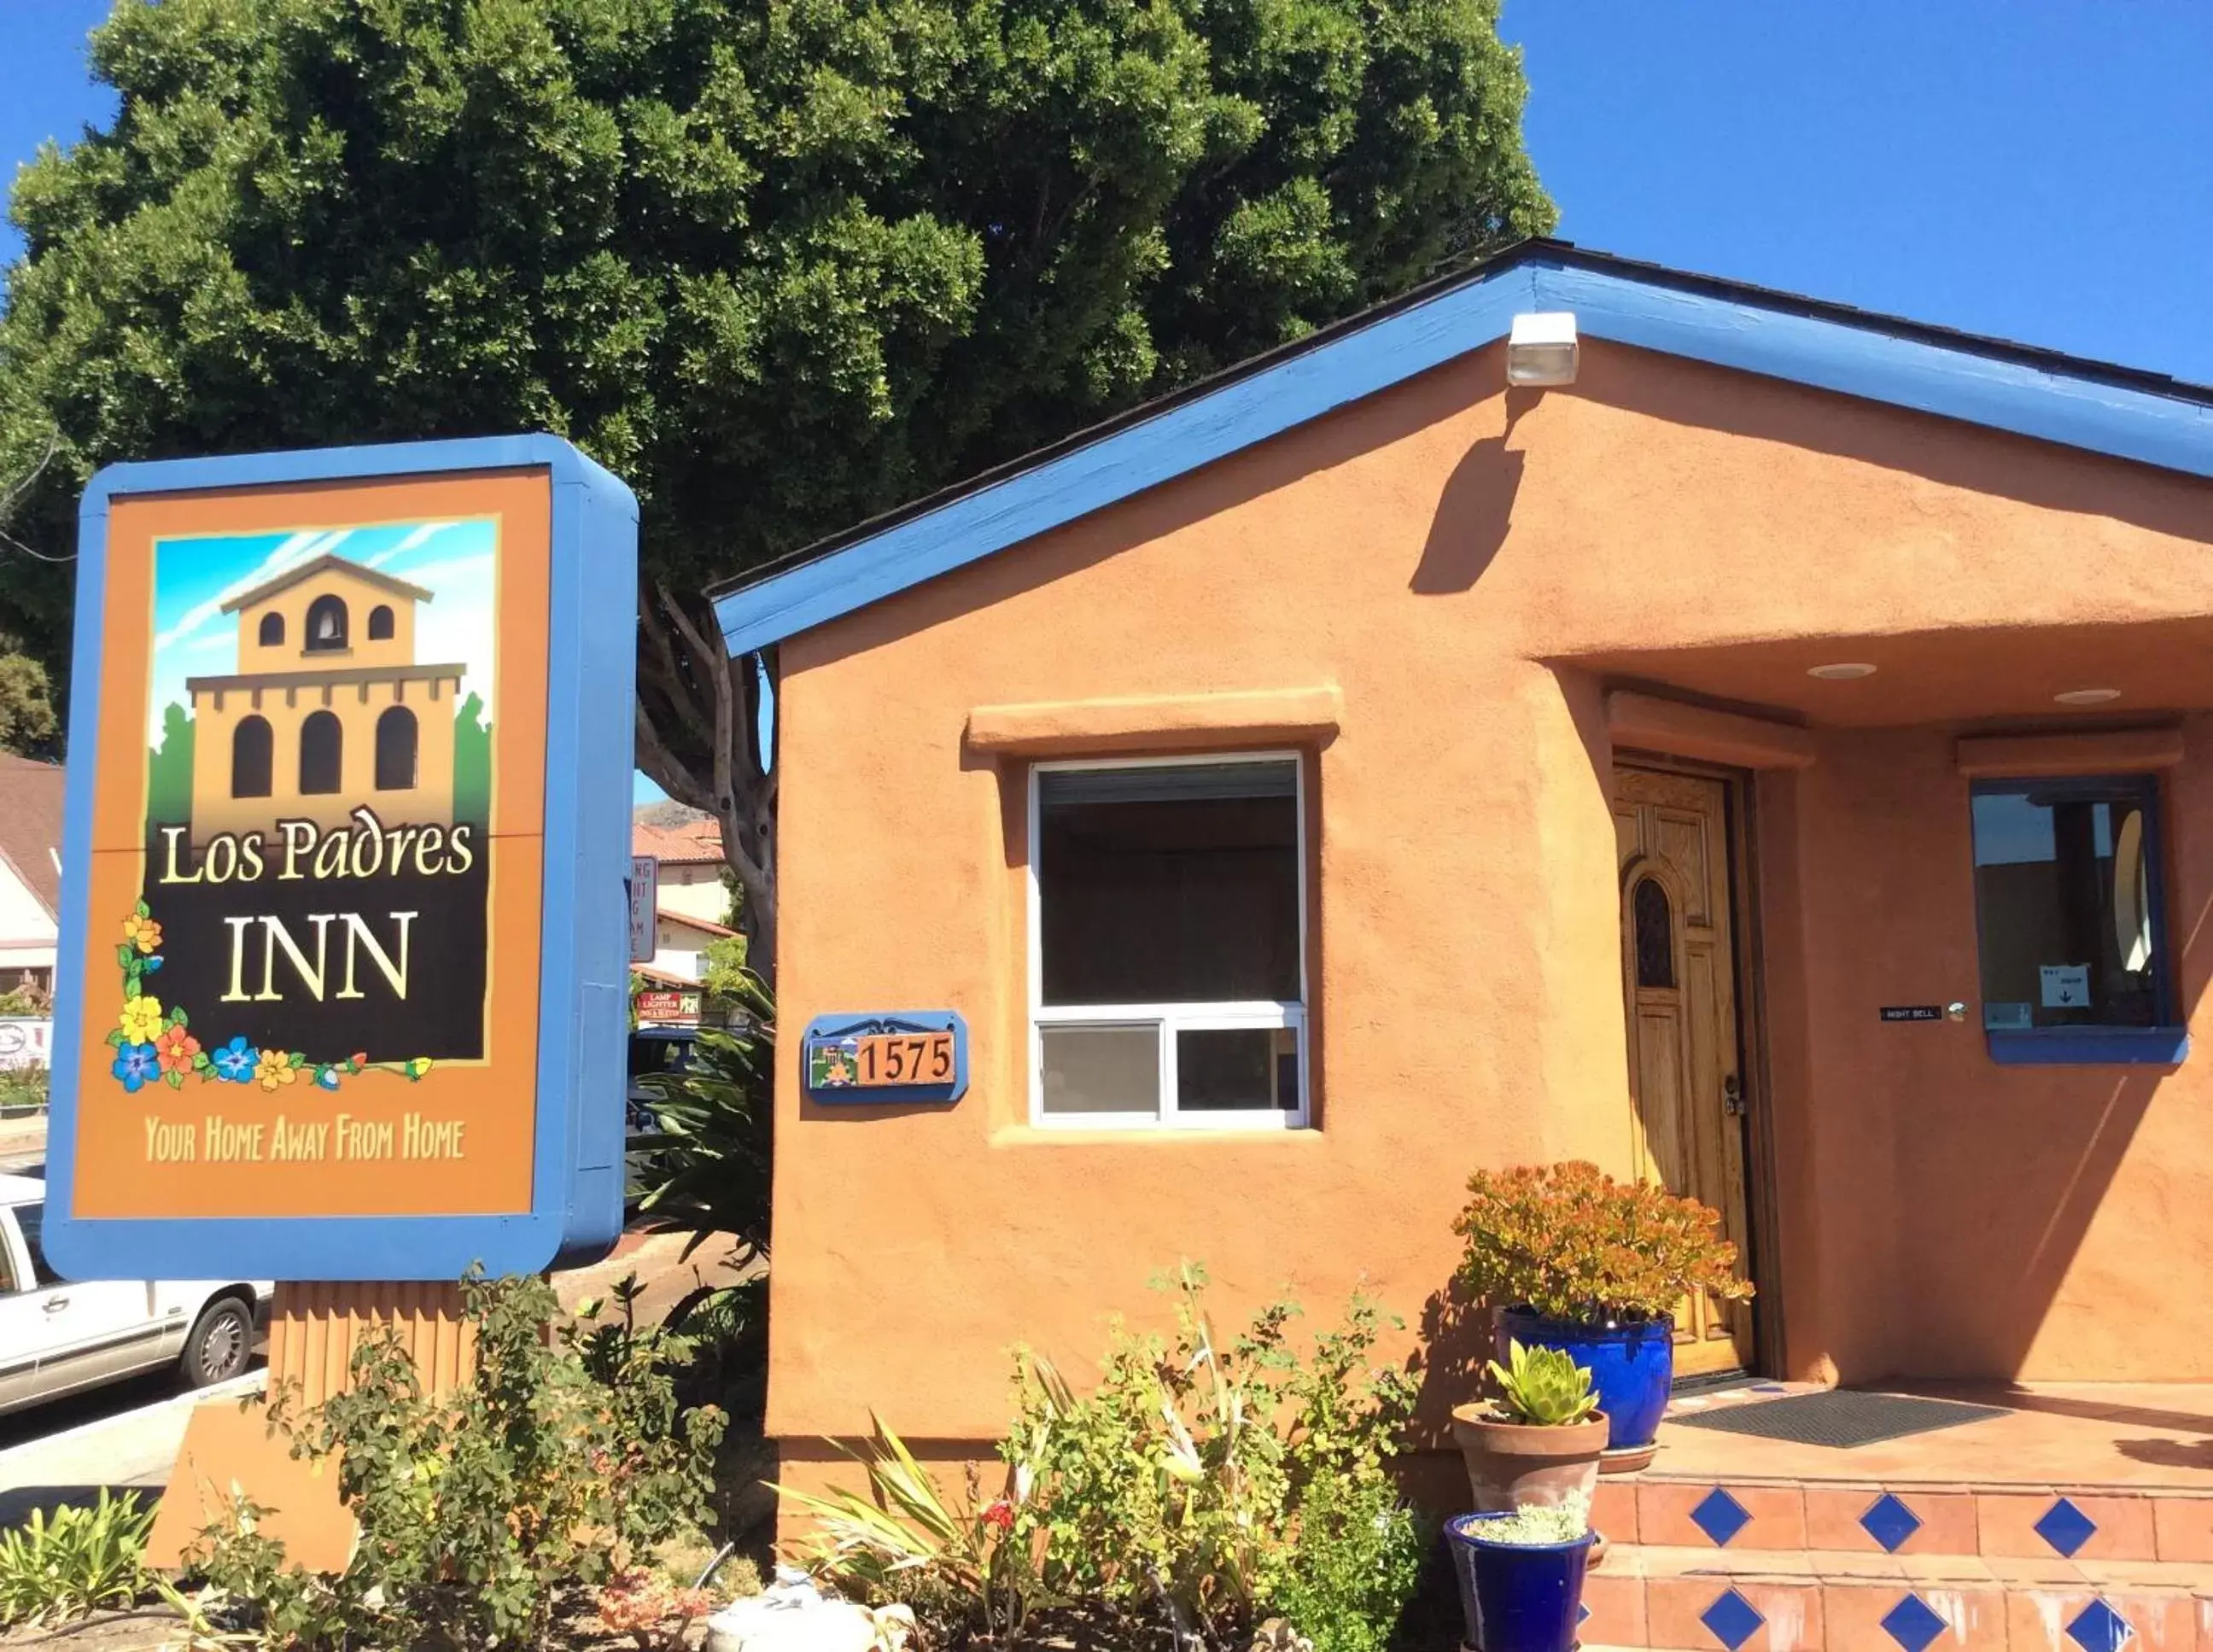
column 1543, row 1387
column 1536, row 1525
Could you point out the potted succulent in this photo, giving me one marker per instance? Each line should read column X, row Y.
column 1522, row 1574
column 1575, row 1260
column 1539, row 1441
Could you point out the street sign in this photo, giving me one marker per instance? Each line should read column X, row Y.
column 342, row 992
column 644, row 906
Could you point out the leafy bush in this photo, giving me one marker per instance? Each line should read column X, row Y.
column 1573, row 1244
column 1206, row 1482
column 563, row 1461
column 1543, row 1387
column 74, row 1564
column 23, row 1090
column 708, row 1166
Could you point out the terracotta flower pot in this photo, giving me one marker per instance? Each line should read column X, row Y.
column 1516, row 1465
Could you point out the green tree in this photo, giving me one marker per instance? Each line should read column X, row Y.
column 780, row 264
column 169, row 768
column 472, row 763
column 28, row 723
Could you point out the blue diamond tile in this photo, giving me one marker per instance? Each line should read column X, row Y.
column 1720, row 1516
column 2066, row 1528
column 1735, row 1621
column 1889, row 1522
column 2099, row 1628
column 1912, row 1624
column 1582, row 1612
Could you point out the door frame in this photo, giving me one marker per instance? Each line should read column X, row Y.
column 1763, row 1237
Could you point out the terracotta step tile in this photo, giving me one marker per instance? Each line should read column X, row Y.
column 1868, row 1616
column 1890, row 1520
column 2078, row 1525
column 2081, row 1620
column 1704, row 1613
column 2182, row 1529
column 1616, row 1606
column 1721, row 1515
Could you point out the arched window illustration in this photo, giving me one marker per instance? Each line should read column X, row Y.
column 395, row 749
column 321, row 742
column 326, row 624
column 272, row 630
column 380, row 624
column 1654, row 930
column 252, row 749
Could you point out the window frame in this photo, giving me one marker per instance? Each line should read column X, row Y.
column 2166, row 1042
column 1170, row 1018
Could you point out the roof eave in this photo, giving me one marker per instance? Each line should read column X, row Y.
column 2050, row 397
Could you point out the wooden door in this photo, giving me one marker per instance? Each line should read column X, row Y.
column 1679, row 980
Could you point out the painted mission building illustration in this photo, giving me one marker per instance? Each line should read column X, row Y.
column 328, row 708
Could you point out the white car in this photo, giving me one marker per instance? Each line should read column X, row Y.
column 57, row 1337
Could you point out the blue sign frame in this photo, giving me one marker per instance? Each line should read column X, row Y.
column 576, row 1179
column 828, row 1032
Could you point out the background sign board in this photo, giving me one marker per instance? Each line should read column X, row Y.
column 885, row 1057
column 342, row 988
column 644, row 906
column 669, row 1007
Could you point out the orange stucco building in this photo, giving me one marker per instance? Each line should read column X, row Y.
column 1776, row 761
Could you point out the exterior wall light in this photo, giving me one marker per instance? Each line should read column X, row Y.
column 1842, row 672
column 2087, row 696
column 1541, row 349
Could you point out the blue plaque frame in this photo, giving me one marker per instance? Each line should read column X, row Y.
column 826, row 1030
column 576, row 1176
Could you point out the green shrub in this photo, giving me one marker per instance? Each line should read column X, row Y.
column 74, row 1564
column 23, row 1090
column 1207, row 1482
column 563, row 1460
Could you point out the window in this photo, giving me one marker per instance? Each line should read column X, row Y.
column 272, row 630
column 326, row 624
column 252, row 754
column 2067, row 906
column 1654, row 929
column 321, row 748
column 395, row 749
column 31, row 1219
column 1168, row 942
column 380, row 624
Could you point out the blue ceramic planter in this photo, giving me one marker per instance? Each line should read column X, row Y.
column 1517, row 1597
column 1633, row 1366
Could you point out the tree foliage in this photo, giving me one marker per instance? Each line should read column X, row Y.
column 28, row 722
column 780, row 264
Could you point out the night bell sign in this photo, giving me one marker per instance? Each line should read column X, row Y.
column 343, row 970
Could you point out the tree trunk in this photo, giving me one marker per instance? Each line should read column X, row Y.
column 699, row 740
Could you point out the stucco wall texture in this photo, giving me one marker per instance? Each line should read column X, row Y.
column 1461, row 566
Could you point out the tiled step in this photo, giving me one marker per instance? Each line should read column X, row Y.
column 1995, row 1522
column 1706, row 1600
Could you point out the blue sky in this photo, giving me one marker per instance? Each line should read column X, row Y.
column 2036, row 170
column 194, row 578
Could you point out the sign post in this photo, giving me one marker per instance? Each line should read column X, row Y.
column 644, row 907
column 342, row 988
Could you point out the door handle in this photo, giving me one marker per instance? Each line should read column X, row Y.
column 55, row 1304
column 1733, row 1096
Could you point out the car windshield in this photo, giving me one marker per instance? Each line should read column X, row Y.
column 659, row 1055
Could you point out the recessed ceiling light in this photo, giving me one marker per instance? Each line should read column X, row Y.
column 1842, row 672
column 2087, row 696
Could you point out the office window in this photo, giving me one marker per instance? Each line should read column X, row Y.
column 1168, row 936
column 2067, row 905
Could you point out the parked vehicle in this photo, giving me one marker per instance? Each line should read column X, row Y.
column 58, row 1337
column 653, row 1050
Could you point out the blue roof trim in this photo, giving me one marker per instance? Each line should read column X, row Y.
column 2086, row 410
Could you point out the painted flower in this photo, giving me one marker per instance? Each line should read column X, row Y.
column 137, row 1065
column 176, row 1047
column 275, row 1068
column 144, row 933
column 142, row 1020
column 234, row 1061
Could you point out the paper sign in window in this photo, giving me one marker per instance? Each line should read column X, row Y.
column 2065, row 986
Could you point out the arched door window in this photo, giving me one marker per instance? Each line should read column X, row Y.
column 326, row 624
column 252, row 748
column 395, row 750
column 272, row 630
column 1653, row 924
column 321, row 751
column 380, row 623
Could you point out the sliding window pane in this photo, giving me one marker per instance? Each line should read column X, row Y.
column 1241, row 1069
column 1100, row 1069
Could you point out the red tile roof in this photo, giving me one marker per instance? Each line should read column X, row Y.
column 695, row 843
column 31, row 824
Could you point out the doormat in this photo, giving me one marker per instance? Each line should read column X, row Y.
column 1843, row 1418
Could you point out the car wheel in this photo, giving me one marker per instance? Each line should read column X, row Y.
column 221, row 1343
